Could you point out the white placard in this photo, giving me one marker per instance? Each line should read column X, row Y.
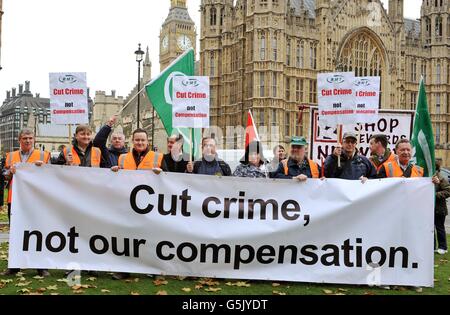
column 395, row 125
column 191, row 98
column 330, row 231
column 69, row 98
column 337, row 102
column 367, row 92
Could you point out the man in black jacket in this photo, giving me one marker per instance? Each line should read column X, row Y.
column 175, row 161
column 210, row 164
column 110, row 156
column 354, row 166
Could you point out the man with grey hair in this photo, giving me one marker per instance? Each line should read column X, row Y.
column 26, row 154
column 110, row 156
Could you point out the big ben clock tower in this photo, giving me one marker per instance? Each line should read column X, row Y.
column 177, row 35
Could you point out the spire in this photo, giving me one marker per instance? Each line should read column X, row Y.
column 147, row 67
column 147, row 58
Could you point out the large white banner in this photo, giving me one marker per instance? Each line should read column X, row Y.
column 395, row 125
column 69, row 98
column 337, row 101
column 190, row 102
column 367, row 93
column 332, row 231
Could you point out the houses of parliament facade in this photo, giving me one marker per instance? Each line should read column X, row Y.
column 265, row 55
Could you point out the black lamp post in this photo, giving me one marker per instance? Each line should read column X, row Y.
column 139, row 57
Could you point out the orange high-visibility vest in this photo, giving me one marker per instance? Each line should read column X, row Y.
column 14, row 158
column 312, row 165
column 394, row 170
column 96, row 156
column 151, row 160
column 389, row 160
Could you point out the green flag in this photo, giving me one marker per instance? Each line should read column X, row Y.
column 423, row 136
column 159, row 91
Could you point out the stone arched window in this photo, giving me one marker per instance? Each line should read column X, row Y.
column 362, row 55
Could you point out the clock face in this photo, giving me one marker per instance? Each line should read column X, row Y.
column 165, row 43
column 184, row 42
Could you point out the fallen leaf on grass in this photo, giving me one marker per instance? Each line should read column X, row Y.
column 340, row 294
column 54, row 293
column 419, row 290
column 278, row 293
column 342, row 290
column 213, row 289
column 209, row 282
column 52, row 288
column 6, row 280
column 92, row 279
column 134, row 293
column 136, row 279
column 62, row 280
column 23, row 291
column 78, row 291
column 186, row 289
column 198, row 287
column 239, row 284
column 161, row 293
column 41, row 290
column 158, row 282
column 23, row 284
column 328, row 291
column 105, row 291
column 275, row 285
column 19, row 274
column 181, row 278
column 38, row 277
column 35, row 293
column 21, row 279
column 369, row 293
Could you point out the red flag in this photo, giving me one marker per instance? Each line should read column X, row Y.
column 251, row 134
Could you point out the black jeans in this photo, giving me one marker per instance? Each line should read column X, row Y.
column 439, row 222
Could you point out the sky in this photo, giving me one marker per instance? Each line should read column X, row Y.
column 94, row 36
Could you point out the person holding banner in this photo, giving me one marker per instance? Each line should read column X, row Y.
column 381, row 154
column 110, row 156
column 298, row 166
column 26, row 154
column 141, row 157
column 210, row 163
column 354, row 166
column 175, row 161
column 82, row 151
column 252, row 163
column 401, row 166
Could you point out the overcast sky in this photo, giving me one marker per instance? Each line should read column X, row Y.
column 94, row 36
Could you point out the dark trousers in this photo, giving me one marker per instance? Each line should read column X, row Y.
column 441, row 235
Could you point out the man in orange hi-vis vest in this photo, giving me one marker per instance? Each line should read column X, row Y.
column 298, row 166
column 26, row 154
column 139, row 158
column 402, row 166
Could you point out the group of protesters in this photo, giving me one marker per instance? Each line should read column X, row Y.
column 345, row 163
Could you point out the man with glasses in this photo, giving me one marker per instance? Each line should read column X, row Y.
column 353, row 166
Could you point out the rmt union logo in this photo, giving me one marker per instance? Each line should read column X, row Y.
column 336, row 79
column 191, row 82
column 68, row 79
column 362, row 82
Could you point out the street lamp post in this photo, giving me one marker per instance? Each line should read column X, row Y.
column 139, row 57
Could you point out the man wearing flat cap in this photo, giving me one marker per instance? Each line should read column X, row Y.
column 298, row 166
column 353, row 166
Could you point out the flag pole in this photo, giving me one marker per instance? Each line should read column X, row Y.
column 339, row 142
column 191, row 148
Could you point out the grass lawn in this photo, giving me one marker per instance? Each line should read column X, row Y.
column 27, row 283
